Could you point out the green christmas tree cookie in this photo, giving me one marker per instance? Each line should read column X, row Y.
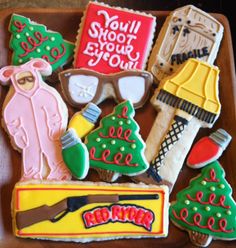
column 206, row 208
column 116, row 146
column 32, row 40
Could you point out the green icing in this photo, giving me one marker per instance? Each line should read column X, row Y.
column 26, row 43
column 122, row 149
column 208, row 210
column 76, row 160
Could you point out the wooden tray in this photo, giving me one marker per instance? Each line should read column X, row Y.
column 66, row 21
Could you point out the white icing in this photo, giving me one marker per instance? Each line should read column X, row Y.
column 132, row 88
column 121, row 38
column 82, row 88
column 108, row 19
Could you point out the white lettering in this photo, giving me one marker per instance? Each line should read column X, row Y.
column 103, row 34
column 121, row 38
column 112, row 41
column 90, row 48
column 114, row 25
column 108, row 19
column 129, row 50
column 124, row 26
column 110, row 47
column 98, row 56
column 114, row 60
column 102, row 44
column 120, row 49
column 130, row 38
column 111, row 36
column 94, row 29
column 137, row 27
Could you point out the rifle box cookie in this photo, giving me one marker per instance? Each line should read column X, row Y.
column 83, row 212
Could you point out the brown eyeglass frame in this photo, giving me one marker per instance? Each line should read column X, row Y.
column 102, row 80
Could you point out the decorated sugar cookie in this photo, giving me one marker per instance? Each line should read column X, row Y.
column 83, row 122
column 85, row 212
column 74, row 152
column 188, row 32
column 81, row 86
column 208, row 149
column 187, row 101
column 206, row 209
column 116, row 146
column 112, row 39
column 32, row 40
column 35, row 117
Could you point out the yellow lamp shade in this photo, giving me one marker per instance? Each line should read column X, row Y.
column 196, row 82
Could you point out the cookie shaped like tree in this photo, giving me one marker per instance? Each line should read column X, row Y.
column 206, row 208
column 116, row 146
column 32, row 40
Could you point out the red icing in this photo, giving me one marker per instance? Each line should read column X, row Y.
column 116, row 160
column 38, row 64
column 117, row 134
column 212, row 177
column 123, row 42
column 133, row 214
column 210, row 201
column 124, row 113
column 183, row 215
column 8, row 73
column 20, row 26
column 116, row 210
column 89, row 219
column 204, row 150
column 33, row 43
column 55, row 54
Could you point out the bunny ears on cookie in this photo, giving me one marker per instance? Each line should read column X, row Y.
column 36, row 65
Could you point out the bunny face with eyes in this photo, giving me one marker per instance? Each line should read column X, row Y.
column 35, row 117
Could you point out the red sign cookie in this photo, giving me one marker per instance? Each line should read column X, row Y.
column 113, row 39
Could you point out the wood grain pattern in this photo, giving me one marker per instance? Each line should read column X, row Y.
column 67, row 21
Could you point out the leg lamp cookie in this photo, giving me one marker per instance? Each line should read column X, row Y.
column 206, row 209
column 32, row 40
column 87, row 211
column 188, row 32
column 35, row 117
column 116, row 146
column 187, row 101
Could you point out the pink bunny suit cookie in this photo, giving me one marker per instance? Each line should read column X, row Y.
column 35, row 117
